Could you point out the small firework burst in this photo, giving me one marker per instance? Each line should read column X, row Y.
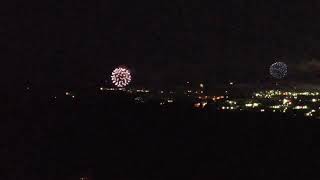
column 278, row 70
column 121, row 77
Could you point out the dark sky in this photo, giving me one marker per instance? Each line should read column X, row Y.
column 78, row 43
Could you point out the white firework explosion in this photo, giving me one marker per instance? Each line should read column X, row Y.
column 278, row 70
column 121, row 77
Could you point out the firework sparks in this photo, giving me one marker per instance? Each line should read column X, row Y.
column 278, row 70
column 121, row 77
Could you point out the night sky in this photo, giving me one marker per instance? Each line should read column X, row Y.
column 67, row 44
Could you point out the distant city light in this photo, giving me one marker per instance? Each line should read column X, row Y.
column 143, row 90
column 139, row 100
column 286, row 102
column 204, row 104
column 232, row 102
column 282, row 101
column 309, row 114
column 253, row 105
column 170, row 101
column 301, row 107
column 275, row 107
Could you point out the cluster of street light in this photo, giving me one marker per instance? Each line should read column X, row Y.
column 303, row 102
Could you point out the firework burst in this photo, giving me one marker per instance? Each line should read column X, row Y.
column 278, row 70
column 121, row 77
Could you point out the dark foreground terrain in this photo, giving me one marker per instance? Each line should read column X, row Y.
column 112, row 137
